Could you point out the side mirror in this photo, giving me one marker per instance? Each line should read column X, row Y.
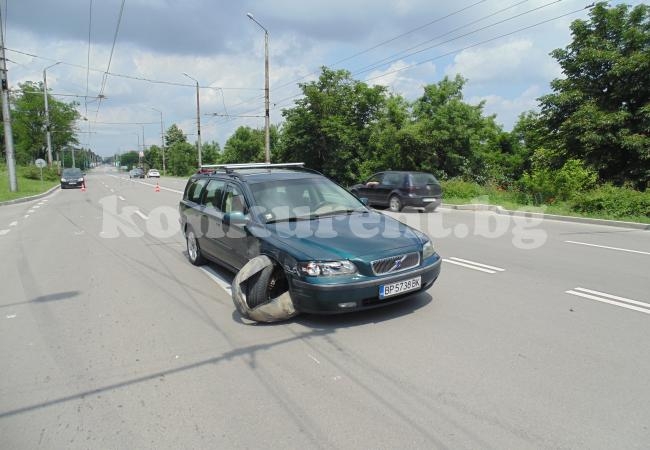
column 235, row 218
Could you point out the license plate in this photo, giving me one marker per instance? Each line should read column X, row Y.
column 72, row 182
column 429, row 200
column 399, row 287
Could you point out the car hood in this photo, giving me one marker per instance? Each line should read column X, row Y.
column 355, row 236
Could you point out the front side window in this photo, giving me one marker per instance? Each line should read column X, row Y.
column 213, row 194
column 234, row 200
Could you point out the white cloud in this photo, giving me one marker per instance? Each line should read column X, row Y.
column 509, row 109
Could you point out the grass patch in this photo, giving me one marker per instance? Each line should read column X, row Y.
column 26, row 187
column 605, row 202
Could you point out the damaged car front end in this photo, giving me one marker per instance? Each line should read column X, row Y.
column 301, row 243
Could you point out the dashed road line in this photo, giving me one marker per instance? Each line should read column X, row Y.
column 610, row 299
column 473, row 265
column 608, row 247
column 14, row 223
column 121, row 198
column 139, row 213
column 5, row 231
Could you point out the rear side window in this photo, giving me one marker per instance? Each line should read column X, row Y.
column 422, row 179
column 392, row 179
column 195, row 189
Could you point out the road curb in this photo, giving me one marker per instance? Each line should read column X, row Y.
column 587, row 220
column 29, row 199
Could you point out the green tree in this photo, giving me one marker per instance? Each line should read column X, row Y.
column 245, row 145
column 600, row 111
column 450, row 135
column 329, row 127
column 28, row 120
column 210, row 152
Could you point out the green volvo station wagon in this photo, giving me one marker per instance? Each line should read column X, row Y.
column 323, row 246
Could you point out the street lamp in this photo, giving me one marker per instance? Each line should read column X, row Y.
column 162, row 139
column 198, row 117
column 267, row 139
column 47, row 115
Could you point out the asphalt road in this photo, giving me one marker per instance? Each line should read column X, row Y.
column 536, row 335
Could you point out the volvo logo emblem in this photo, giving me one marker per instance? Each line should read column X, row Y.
column 397, row 264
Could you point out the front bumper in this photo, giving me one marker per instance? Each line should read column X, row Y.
column 327, row 298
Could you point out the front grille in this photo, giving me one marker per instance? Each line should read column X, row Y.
column 395, row 264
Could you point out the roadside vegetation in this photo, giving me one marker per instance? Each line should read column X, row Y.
column 28, row 180
column 585, row 151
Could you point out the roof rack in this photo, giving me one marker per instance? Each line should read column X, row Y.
column 229, row 168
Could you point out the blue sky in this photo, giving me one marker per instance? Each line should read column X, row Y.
column 502, row 47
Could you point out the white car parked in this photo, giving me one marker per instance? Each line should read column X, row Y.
column 153, row 173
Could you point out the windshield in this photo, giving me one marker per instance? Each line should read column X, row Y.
column 71, row 172
column 302, row 199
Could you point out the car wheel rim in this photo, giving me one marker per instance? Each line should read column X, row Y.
column 394, row 204
column 192, row 248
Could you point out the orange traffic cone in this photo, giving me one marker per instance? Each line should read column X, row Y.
column 157, row 188
column 83, row 187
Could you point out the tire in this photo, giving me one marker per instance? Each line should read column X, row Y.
column 395, row 204
column 265, row 285
column 193, row 249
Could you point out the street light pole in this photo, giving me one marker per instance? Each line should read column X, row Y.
column 162, row 138
column 47, row 116
column 267, row 119
column 198, row 118
column 6, row 116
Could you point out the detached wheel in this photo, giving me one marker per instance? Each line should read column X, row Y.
column 265, row 285
column 395, row 204
column 193, row 249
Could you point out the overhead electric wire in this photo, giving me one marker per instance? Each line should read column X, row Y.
column 90, row 22
column 279, row 104
column 110, row 58
column 384, row 62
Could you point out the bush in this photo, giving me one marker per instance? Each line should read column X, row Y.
column 546, row 185
column 32, row 172
column 456, row 188
column 618, row 202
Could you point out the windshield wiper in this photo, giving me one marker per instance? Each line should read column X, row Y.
column 347, row 211
column 288, row 219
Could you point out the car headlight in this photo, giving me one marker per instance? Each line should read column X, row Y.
column 427, row 250
column 63, row 180
column 327, row 268
column 80, row 179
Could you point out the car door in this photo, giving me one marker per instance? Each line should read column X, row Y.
column 212, row 233
column 191, row 207
column 369, row 188
column 388, row 184
column 236, row 237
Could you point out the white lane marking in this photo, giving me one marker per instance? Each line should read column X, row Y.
column 26, row 216
column 121, row 198
column 14, row 223
column 3, row 232
column 162, row 188
column 317, row 361
column 609, row 248
column 37, row 206
column 498, row 269
column 473, row 265
column 112, row 190
column 604, row 298
column 141, row 215
column 31, row 211
column 217, row 278
column 11, row 316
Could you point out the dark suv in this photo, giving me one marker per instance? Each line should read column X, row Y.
column 397, row 189
column 322, row 245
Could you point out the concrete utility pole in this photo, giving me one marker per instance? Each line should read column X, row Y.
column 267, row 118
column 6, row 117
column 198, row 118
column 47, row 116
column 162, row 139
